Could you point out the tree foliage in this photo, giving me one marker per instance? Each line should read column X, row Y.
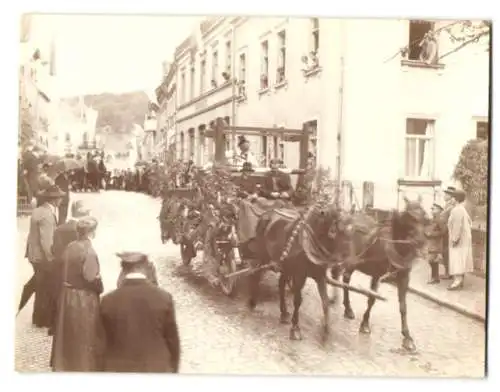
column 468, row 32
column 472, row 170
column 118, row 112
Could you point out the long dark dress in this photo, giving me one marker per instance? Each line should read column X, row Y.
column 76, row 343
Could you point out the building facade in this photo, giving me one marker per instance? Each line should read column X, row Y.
column 37, row 80
column 166, row 95
column 378, row 114
column 75, row 127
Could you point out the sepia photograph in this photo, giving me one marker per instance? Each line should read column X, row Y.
column 253, row 195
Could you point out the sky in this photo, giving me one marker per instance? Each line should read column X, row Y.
column 96, row 54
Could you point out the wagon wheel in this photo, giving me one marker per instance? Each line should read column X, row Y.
column 187, row 252
column 228, row 266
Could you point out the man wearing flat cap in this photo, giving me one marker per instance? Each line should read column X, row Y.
column 39, row 252
column 138, row 321
column 128, row 259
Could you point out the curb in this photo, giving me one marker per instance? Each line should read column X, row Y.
column 457, row 308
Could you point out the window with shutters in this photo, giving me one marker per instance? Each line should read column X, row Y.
column 229, row 58
column 203, row 70
column 281, row 69
column 242, row 76
column 192, row 82
column 215, row 68
column 183, row 86
column 264, row 72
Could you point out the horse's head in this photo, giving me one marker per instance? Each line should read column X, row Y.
column 331, row 223
column 409, row 224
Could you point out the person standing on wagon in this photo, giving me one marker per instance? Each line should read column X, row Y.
column 245, row 154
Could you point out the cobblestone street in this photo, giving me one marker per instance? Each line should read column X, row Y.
column 219, row 335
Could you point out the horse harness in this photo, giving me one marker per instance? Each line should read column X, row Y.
column 398, row 263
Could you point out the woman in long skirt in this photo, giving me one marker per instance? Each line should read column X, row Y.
column 76, row 344
column 460, row 241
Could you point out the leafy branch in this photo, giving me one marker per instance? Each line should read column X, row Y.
column 472, row 170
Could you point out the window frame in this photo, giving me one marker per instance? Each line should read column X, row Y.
column 432, row 143
column 282, row 55
column 215, row 67
column 203, row 70
column 264, row 63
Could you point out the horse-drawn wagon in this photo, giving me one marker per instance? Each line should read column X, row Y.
column 295, row 237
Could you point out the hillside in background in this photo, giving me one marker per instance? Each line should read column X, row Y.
column 118, row 112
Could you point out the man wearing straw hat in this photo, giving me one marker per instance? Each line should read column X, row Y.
column 150, row 342
column 40, row 254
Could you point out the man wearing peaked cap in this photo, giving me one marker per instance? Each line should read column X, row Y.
column 136, row 261
column 150, row 343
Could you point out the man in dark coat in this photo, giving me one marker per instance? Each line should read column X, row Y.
column 277, row 184
column 150, row 340
column 64, row 234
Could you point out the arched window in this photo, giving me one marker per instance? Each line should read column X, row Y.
column 68, row 137
column 85, row 137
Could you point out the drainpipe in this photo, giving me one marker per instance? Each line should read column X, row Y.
column 233, row 86
column 176, row 127
column 340, row 124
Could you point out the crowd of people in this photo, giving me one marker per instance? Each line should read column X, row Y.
column 87, row 327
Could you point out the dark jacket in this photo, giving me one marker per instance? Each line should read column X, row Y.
column 139, row 329
column 63, row 236
column 63, row 182
column 435, row 235
column 246, row 186
column 276, row 181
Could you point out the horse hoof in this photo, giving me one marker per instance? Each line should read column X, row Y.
column 295, row 334
column 251, row 304
column 325, row 334
column 349, row 314
column 285, row 318
column 409, row 345
column 365, row 329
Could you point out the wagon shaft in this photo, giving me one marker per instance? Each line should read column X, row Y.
column 249, row 271
column 356, row 289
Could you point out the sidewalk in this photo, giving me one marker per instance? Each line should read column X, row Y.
column 470, row 301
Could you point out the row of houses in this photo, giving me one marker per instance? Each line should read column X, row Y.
column 395, row 117
column 58, row 126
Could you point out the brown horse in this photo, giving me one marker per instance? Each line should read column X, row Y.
column 383, row 252
column 309, row 243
